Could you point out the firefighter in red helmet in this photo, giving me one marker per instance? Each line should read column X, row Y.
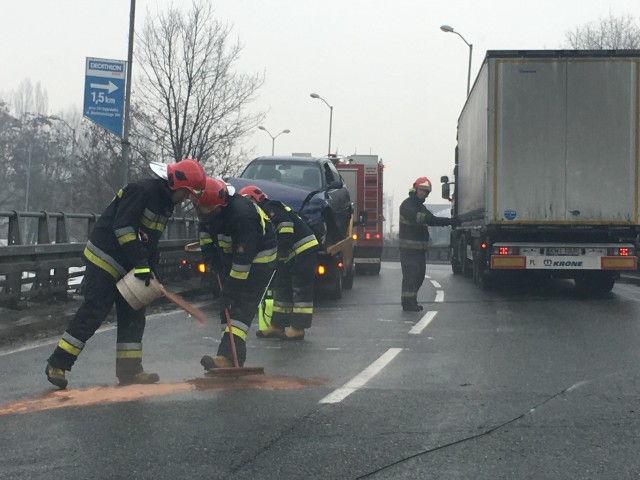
column 125, row 237
column 414, row 237
column 295, row 275
column 238, row 241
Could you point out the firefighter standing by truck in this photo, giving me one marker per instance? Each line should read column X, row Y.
column 414, row 238
column 295, row 274
column 239, row 241
column 125, row 237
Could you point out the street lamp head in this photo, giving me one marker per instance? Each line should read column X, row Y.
column 446, row 28
column 261, row 128
column 286, row 131
column 315, row 95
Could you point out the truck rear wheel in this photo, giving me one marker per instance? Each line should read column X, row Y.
column 595, row 283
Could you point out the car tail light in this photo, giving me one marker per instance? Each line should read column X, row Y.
column 367, row 236
column 378, row 236
column 340, row 265
column 183, row 262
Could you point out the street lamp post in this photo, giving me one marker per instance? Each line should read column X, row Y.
column 73, row 133
column 315, row 95
column 448, row 29
column 273, row 139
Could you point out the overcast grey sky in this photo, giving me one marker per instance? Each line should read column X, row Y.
column 396, row 81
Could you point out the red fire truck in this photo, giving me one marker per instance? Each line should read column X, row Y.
column 362, row 175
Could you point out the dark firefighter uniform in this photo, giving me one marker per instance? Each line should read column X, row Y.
column 414, row 238
column 125, row 237
column 241, row 243
column 295, row 274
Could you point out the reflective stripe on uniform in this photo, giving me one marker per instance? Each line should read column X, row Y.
column 125, row 235
column 284, row 227
column 153, row 221
column 238, row 328
column 104, row 261
column 305, row 244
column 266, row 256
column 413, row 244
column 308, row 310
column 240, row 271
column 71, row 344
column 129, row 350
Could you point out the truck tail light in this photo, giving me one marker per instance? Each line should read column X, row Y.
column 504, row 250
column 202, row 267
column 367, row 236
column 378, row 236
column 621, row 252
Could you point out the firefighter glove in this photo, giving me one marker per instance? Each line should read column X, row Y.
column 143, row 273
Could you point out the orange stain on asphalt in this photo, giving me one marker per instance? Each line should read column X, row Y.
column 132, row 393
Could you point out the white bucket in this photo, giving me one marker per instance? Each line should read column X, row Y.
column 136, row 293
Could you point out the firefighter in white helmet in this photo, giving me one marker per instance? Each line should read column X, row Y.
column 414, row 237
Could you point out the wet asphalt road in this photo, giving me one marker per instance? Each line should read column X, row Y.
column 528, row 381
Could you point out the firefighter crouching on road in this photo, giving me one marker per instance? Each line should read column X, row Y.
column 125, row 237
column 295, row 274
column 414, row 238
column 234, row 226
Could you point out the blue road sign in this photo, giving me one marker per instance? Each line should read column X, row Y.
column 104, row 93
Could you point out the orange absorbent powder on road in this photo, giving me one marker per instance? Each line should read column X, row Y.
column 71, row 398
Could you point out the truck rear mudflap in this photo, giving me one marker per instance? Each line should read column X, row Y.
column 545, row 256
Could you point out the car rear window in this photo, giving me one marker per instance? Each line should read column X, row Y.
column 300, row 174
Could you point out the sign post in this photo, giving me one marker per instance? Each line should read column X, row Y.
column 104, row 93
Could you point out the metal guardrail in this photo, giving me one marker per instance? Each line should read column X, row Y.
column 40, row 267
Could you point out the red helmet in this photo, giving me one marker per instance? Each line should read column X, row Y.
column 187, row 173
column 253, row 192
column 422, row 182
column 214, row 195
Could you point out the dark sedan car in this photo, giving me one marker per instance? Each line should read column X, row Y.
column 310, row 186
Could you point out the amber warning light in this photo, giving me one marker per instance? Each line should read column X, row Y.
column 202, row 267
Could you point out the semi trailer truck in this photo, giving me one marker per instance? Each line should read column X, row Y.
column 546, row 168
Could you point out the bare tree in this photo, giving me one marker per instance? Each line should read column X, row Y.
column 191, row 103
column 28, row 99
column 609, row 33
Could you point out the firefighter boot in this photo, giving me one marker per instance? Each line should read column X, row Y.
column 412, row 308
column 211, row 363
column 142, row 377
column 293, row 333
column 270, row 332
column 56, row 376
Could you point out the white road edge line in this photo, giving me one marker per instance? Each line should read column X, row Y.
column 362, row 378
column 422, row 324
column 439, row 296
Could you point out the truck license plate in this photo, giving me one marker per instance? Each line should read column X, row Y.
column 563, row 251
